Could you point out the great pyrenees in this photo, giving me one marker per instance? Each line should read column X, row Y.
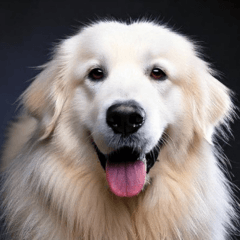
column 115, row 141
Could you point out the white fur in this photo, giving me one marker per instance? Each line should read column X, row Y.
column 54, row 185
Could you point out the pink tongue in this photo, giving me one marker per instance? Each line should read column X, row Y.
column 126, row 179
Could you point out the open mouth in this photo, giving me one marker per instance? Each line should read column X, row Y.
column 126, row 168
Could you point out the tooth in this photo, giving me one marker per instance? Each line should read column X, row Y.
column 143, row 159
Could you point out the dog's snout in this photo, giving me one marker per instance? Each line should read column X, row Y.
column 125, row 118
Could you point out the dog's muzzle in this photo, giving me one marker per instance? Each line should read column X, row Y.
column 126, row 167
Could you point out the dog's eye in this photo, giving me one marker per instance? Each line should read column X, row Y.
column 96, row 74
column 158, row 74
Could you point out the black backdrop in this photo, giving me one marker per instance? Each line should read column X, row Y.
column 29, row 29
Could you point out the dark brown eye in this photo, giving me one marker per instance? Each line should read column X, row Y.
column 158, row 74
column 96, row 74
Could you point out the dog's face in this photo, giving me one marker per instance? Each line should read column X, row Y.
column 129, row 98
column 135, row 86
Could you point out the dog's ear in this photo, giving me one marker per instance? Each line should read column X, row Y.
column 213, row 106
column 45, row 97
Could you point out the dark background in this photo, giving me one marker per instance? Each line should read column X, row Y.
column 29, row 29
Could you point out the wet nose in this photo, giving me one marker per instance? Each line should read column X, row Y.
column 126, row 117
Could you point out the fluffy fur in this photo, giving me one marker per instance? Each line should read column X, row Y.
column 54, row 185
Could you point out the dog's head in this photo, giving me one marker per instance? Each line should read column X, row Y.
column 132, row 89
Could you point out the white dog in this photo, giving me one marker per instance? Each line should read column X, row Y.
column 116, row 142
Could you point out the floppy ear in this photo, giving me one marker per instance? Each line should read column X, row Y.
column 213, row 104
column 45, row 97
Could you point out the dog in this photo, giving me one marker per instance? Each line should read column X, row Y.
column 116, row 140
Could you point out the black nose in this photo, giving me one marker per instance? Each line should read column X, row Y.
column 126, row 117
